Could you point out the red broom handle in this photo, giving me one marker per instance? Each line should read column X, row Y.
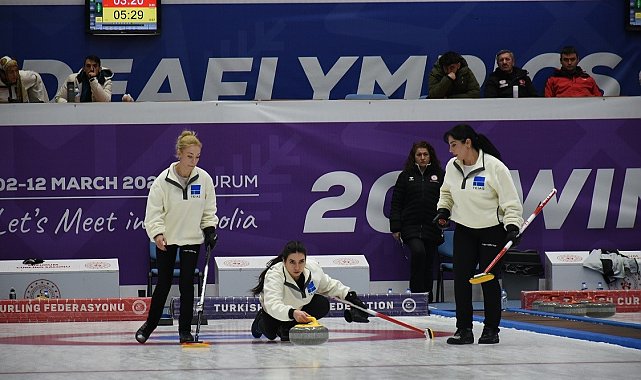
column 523, row 227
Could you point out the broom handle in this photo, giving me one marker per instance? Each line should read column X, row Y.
column 381, row 315
column 523, row 227
column 201, row 302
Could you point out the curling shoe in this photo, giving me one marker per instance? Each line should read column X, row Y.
column 256, row 332
column 143, row 333
column 489, row 336
column 462, row 336
column 185, row 337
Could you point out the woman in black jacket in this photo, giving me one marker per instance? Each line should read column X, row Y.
column 413, row 207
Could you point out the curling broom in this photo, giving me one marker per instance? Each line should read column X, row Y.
column 428, row 333
column 486, row 275
column 201, row 304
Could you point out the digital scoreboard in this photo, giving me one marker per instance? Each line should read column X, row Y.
column 123, row 16
column 633, row 15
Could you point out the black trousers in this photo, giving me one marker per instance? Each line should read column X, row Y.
column 166, row 261
column 317, row 308
column 474, row 247
column 423, row 253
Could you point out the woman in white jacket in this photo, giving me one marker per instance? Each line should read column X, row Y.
column 180, row 215
column 292, row 289
column 478, row 193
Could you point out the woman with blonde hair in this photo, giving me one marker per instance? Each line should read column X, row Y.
column 180, row 215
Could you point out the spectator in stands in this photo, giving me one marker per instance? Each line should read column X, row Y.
column 570, row 80
column 413, row 207
column 500, row 83
column 452, row 78
column 20, row 86
column 291, row 289
column 478, row 193
column 91, row 84
column 180, row 214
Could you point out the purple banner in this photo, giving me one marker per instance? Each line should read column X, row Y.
column 408, row 305
column 79, row 191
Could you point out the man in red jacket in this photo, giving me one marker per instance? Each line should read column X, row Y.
column 570, row 80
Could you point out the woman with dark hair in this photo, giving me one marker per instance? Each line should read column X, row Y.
column 478, row 193
column 413, row 207
column 292, row 289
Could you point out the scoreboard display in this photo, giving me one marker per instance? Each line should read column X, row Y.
column 633, row 15
column 123, row 16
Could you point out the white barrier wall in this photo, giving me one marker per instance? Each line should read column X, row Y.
column 95, row 278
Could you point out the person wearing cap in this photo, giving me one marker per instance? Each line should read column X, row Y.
column 20, row 86
column 451, row 77
column 93, row 84
column 500, row 83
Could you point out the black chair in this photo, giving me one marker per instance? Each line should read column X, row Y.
column 445, row 255
column 153, row 270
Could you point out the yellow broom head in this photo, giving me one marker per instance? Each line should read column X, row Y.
column 195, row 345
column 481, row 278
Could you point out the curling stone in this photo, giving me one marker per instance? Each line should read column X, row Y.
column 570, row 309
column 547, row 307
column 600, row 309
column 536, row 304
column 308, row 334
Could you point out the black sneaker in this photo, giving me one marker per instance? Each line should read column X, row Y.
column 489, row 336
column 185, row 336
column 256, row 333
column 462, row 336
column 143, row 333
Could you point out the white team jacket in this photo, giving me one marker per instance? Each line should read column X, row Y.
column 280, row 292
column 486, row 197
column 181, row 213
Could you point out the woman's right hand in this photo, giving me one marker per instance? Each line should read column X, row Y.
column 301, row 316
column 161, row 243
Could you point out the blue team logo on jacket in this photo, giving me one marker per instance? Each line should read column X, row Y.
column 478, row 183
column 194, row 191
column 311, row 288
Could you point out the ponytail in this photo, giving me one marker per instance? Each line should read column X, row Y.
column 462, row 132
column 486, row 145
column 261, row 278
